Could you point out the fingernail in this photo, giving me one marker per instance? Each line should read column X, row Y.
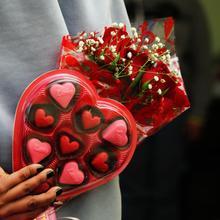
column 59, row 192
column 50, row 174
column 39, row 169
column 57, row 204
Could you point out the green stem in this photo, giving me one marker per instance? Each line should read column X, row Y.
column 138, row 77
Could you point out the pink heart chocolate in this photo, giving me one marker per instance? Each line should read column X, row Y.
column 71, row 174
column 62, row 93
column 116, row 133
column 38, row 150
column 87, row 144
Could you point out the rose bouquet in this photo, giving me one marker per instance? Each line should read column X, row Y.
column 138, row 69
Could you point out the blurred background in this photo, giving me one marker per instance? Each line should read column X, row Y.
column 174, row 174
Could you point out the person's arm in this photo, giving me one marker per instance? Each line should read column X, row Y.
column 31, row 33
column 92, row 15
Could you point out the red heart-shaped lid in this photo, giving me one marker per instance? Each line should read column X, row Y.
column 63, row 124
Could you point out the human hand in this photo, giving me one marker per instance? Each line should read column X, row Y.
column 16, row 201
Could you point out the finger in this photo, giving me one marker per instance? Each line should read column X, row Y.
column 2, row 172
column 30, row 203
column 26, row 187
column 57, row 204
column 21, row 175
column 3, row 175
column 28, row 215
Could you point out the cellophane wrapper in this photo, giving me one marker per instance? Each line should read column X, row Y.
column 140, row 70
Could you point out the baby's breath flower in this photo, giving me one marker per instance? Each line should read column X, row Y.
column 133, row 46
column 129, row 55
column 149, row 86
column 81, row 43
column 114, row 24
column 157, row 39
column 113, row 33
column 79, row 50
column 163, row 57
column 156, row 78
column 93, row 49
column 135, row 35
column 154, row 46
column 153, row 57
column 130, row 72
column 102, row 57
column 160, row 45
column 159, row 91
column 90, row 41
column 130, row 68
column 112, row 48
column 121, row 25
column 168, row 56
column 133, row 29
column 92, row 34
column 100, row 40
column 146, row 40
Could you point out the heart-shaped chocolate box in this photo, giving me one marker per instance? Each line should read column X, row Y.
column 62, row 123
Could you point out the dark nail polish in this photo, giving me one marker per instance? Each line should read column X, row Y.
column 50, row 174
column 39, row 169
column 59, row 192
column 52, row 202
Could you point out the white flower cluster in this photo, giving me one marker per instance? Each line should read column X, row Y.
column 153, row 54
column 91, row 43
column 118, row 25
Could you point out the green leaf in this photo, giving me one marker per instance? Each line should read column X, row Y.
column 102, row 53
column 91, row 57
column 139, row 75
column 164, row 92
column 115, row 61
